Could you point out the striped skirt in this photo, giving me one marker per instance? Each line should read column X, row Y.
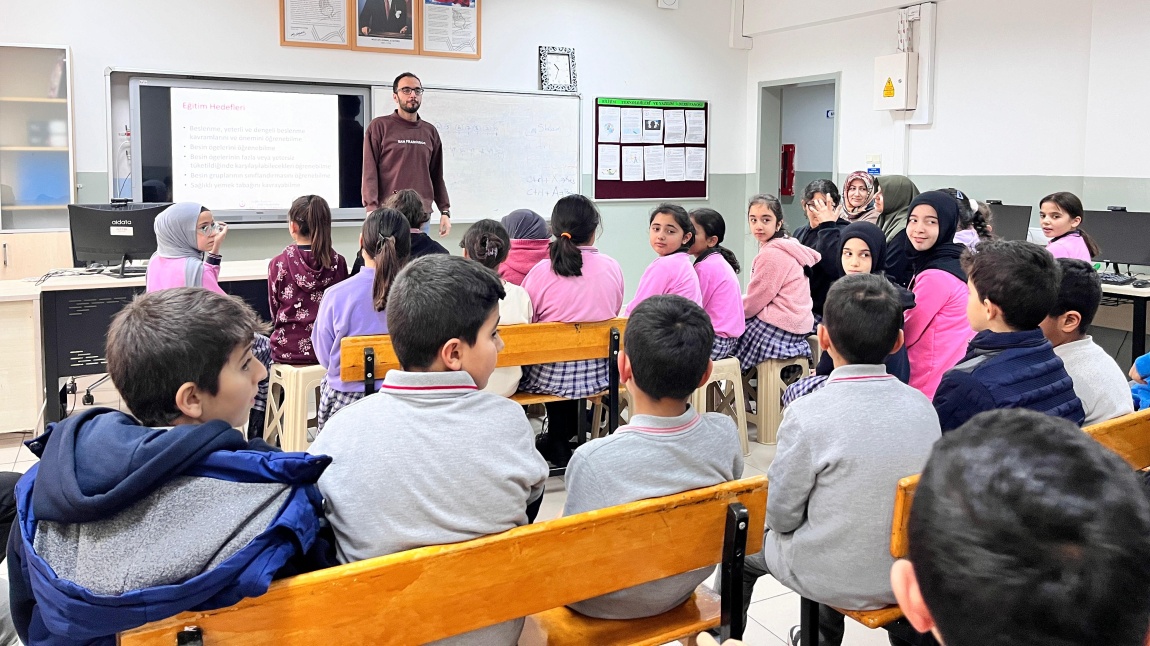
column 570, row 379
column 330, row 403
column 262, row 351
column 804, row 386
column 764, row 341
column 723, row 347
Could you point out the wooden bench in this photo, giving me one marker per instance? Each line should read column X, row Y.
column 366, row 358
column 899, row 547
column 533, row 571
column 1128, row 436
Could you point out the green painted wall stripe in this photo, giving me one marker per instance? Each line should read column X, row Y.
column 646, row 103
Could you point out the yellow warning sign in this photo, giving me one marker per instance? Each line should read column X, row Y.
column 888, row 89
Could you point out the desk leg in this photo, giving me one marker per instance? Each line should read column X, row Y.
column 52, row 411
column 1138, row 343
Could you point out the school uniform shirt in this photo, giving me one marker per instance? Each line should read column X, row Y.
column 429, row 460
column 1007, row 370
column 1099, row 383
column 647, row 458
column 596, row 295
column 514, row 309
column 296, row 283
column 399, row 154
column 779, row 293
column 1070, row 245
column 722, row 296
column 841, row 452
column 168, row 273
column 670, row 274
column 936, row 330
column 347, row 309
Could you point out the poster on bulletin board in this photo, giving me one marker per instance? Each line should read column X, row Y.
column 650, row 149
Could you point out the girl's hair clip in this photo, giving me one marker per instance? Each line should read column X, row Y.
column 565, row 235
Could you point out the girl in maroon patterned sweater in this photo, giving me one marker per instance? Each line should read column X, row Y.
column 298, row 277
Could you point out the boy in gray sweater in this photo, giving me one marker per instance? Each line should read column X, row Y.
column 431, row 459
column 841, row 452
column 667, row 447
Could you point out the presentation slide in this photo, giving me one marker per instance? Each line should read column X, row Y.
column 236, row 149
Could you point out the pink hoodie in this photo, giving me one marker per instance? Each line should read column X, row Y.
column 937, row 330
column 524, row 255
column 780, row 293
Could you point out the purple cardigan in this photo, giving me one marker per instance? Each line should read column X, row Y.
column 346, row 310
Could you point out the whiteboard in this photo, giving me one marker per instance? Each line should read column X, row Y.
column 501, row 150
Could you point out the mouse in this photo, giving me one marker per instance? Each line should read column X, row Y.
column 1139, row 284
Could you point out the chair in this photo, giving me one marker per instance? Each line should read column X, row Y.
column 711, row 396
column 289, row 391
column 816, row 351
column 768, row 394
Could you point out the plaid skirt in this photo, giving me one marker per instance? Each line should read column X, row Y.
column 764, row 341
column 330, row 402
column 723, row 347
column 804, row 386
column 570, row 379
column 262, row 351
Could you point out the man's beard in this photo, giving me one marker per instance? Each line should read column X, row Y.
column 409, row 110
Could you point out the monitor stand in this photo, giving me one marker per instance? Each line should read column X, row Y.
column 124, row 271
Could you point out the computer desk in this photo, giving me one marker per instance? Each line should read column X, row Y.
column 1139, row 297
column 75, row 312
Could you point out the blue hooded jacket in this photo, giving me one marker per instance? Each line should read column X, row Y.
column 101, row 462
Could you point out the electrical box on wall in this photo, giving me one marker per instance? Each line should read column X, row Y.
column 896, row 81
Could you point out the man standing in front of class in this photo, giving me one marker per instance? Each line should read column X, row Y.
column 402, row 151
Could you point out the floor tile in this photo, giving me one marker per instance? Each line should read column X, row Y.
column 777, row 614
column 554, row 497
column 10, row 445
column 761, row 456
column 756, row 634
column 22, row 467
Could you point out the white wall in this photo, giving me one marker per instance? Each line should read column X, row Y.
column 805, row 124
column 623, row 48
column 765, row 16
column 1118, row 100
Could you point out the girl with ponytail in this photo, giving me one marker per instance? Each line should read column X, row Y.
column 1061, row 216
column 670, row 233
column 297, row 279
column 716, row 267
column 576, row 284
column 357, row 306
column 488, row 243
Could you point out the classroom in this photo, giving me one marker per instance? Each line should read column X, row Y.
column 337, row 316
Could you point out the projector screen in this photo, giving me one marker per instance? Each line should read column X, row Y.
column 247, row 150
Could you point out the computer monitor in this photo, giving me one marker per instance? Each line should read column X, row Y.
column 1122, row 236
column 1010, row 222
column 111, row 234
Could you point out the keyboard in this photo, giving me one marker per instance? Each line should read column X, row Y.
column 1115, row 279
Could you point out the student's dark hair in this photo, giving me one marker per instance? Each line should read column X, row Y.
column 668, row 341
column 387, row 240
column 1025, row 531
column 410, row 204
column 405, row 75
column 313, row 217
column 969, row 216
column 1072, row 206
column 162, row 340
column 863, row 315
column 487, row 243
column 1081, row 291
column 776, row 207
column 1019, row 277
column 712, row 224
column 437, row 298
column 574, row 221
column 681, row 218
column 824, row 186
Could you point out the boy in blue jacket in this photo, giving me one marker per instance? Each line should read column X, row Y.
column 1009, row 364
column 123, row 521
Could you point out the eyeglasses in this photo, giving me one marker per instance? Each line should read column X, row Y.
column 209, row 228
column 408, row 91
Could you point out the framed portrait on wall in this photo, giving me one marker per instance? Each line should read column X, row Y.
column 384, row 25
column 452, row 28
column 314, row 23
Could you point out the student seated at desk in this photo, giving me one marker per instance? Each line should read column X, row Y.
column 1098, row 381
column 432, row 459
column 187, row 254
column 1009, row 364
column 127, row 520
column 841, row 452
column 667, row 447
column 1061, row 217
column 1025, row 530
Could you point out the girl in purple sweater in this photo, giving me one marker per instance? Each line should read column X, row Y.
column 298, row 277
column 356, row 306
column 1061, row 218
column 716, row 267
column 671, row 234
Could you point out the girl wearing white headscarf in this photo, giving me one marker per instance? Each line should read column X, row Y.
column 187, row 249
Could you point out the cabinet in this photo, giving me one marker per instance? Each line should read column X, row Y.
column 28, row 254
column 37, row 176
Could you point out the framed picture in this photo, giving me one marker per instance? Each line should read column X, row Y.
column 314, row 23
column 452, row 28
column 557, row 69
column 384, row 25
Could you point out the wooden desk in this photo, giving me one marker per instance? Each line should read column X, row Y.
column 1139, row 297
column 57, row 330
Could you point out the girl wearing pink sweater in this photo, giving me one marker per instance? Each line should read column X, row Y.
column 1061, row 217
column 716, row 266
column 671, row 234
column 937, row 330
column 778, row 303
